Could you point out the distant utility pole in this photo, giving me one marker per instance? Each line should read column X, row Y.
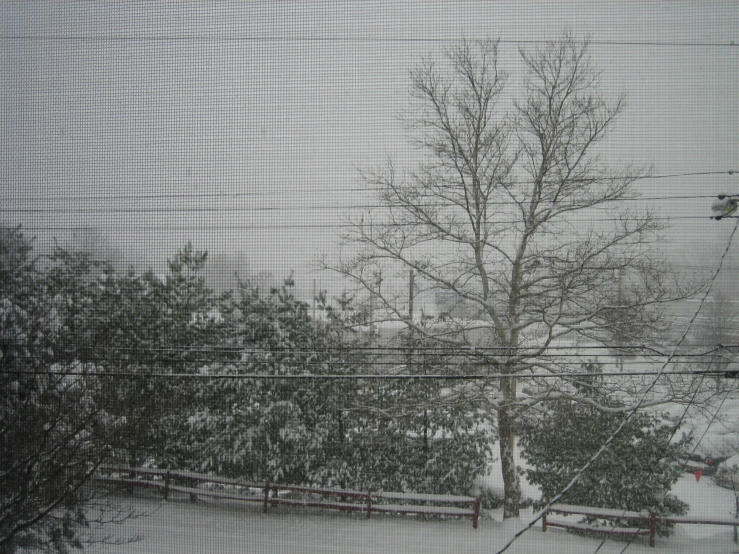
column 620, row 278
column 409, row 362
column 314, row 301
column 410, row 296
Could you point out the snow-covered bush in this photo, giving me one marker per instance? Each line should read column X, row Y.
column 333, row 432
column 635, row 473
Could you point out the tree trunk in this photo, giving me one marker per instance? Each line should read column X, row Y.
column 507, row 439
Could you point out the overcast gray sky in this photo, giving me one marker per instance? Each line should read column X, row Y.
column 241, row 126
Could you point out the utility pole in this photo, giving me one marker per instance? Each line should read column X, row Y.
column 409, row 353
column 410, row 296
column 409, row 364
column 314, row 302
column 726, row 205
column 620, row 278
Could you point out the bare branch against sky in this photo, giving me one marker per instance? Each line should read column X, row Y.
column 239, row 126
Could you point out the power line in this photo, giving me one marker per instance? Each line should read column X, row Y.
column 452, row 349
column 351, row 376
column 194, row 37
column 461, row 349
column 288, row 226
column 392, row 364
column 428, row 356
column 615, row 350
column 168, row 208
column 97, row 206
column 315, row 190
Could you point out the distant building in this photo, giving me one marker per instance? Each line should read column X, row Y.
column 449, row 304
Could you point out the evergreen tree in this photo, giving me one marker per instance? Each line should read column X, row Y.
column 635, row 473
column 406, row 441
column 331, row 432
column 264, row 428
column 51, row 438
column 145, row 329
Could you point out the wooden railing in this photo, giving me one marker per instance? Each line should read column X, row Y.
column 185, row 482
column 651, row 519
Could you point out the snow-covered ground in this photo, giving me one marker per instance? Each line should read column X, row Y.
column 217, row 526
column 213, row 526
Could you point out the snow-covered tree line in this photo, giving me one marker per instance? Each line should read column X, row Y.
column 133, row 368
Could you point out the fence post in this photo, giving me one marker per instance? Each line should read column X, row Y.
column 369, row 504
column 166, row 485
column 476, row 516
column 544, row 523
column 652, row 527
column 266, row 497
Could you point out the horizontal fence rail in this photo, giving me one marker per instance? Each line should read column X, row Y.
column 651, row 519
column 268, row 494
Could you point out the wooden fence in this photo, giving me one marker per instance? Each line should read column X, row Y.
column 268, row 494
column 650, row 520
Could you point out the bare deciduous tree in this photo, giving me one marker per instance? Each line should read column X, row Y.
column 515, row 212
column 716, row 334
column 720, row 324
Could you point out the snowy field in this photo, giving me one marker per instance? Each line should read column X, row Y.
column 212, row 526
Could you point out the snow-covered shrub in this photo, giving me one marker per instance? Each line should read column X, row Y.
column 354, row 434
column 635, row 473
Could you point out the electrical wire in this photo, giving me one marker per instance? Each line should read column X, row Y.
column 610, row 350
column 326, row 358
column 296, row 359
column 233, row 37
column 303, row 208
column 353, row 376
column 293, row 225
column 316, row 190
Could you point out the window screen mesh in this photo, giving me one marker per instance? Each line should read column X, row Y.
column 368, row 277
